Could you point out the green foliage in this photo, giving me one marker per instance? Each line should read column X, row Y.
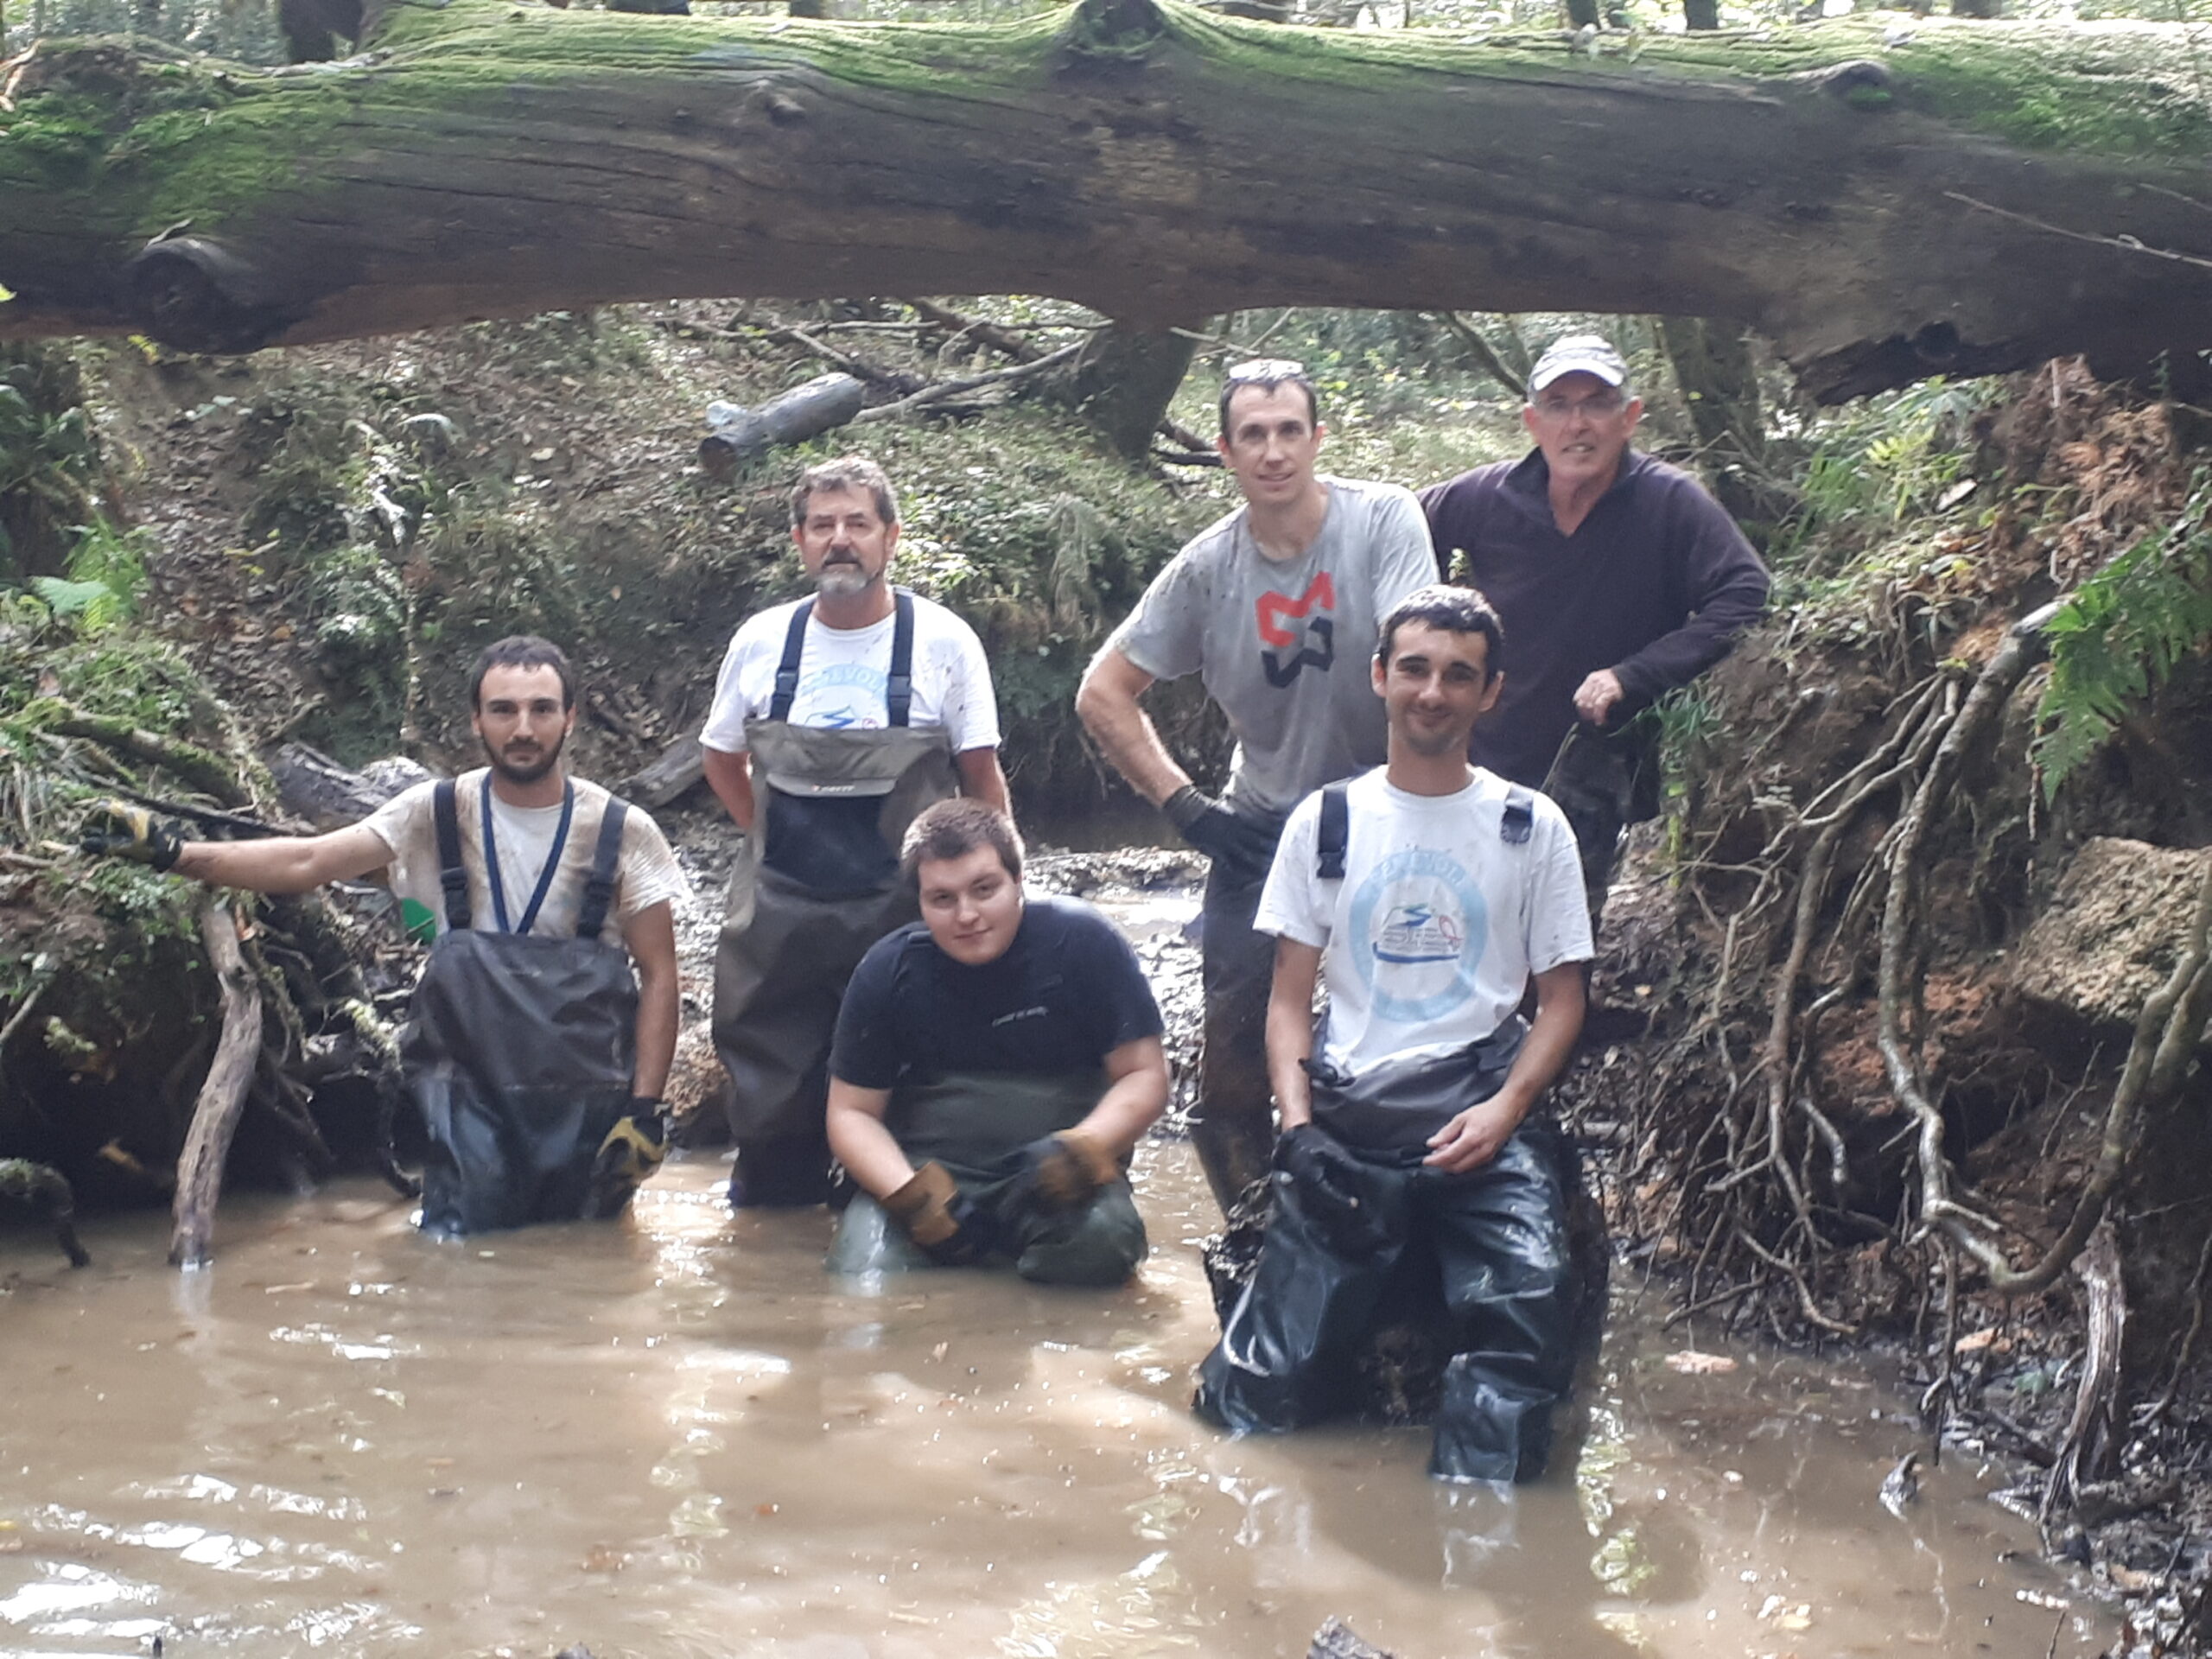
column 1879, row 466
column 107, row 573
column 2124, row 631
column 48, row 459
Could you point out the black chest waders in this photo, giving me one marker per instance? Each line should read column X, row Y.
column 815, row 883
column 974, row 1123
column 520, row 1048
column 1363, row 1234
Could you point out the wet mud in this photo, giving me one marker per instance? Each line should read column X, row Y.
column 676, row 1435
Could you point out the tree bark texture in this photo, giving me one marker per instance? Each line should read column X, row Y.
column 1126, row 379
column 1714, row 368
column 1966, row 199
column 222, row 1097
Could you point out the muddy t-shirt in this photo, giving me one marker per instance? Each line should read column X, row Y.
column 1284, row 648
column 647, row 875
column 1066, row 994
column 1429, row 939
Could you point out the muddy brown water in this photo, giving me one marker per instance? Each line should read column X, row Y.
column 676, row 1436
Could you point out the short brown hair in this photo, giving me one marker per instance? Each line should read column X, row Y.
column 955, row 829
column 1452, row 610
column 846, row 472
column 522, row 651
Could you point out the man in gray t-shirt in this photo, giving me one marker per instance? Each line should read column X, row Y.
column 1275, row 607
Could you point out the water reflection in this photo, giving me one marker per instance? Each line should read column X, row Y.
column 679, row 1436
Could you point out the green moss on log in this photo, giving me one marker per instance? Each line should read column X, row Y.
column 142, row 146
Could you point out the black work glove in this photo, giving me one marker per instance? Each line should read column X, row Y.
column 121, row 829
column 947, row 1228
column 1242, row 847
column 1332, row 1190
column 633, row 1150
column 1061, row 1172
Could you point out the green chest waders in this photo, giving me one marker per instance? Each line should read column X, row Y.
column 976, row 1123
column 815, row 885
column 520, row 1047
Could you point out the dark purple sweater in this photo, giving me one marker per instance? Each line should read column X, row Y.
column 1655, row 584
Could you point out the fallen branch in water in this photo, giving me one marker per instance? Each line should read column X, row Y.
column 215, row 1115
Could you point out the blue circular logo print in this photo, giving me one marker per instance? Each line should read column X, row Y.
column 1419, row 924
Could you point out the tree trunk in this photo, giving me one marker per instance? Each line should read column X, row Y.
column 1878, row 209
column 1125, row 379
column 1701, row 13
column 1713, row 367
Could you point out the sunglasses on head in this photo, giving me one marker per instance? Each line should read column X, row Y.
column 1267, row 368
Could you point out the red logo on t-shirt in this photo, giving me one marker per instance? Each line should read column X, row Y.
column 1322, row 591
column 1319, row 599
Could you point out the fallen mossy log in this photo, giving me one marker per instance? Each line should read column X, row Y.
column 1882, row 204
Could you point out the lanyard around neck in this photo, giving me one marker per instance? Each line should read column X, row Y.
column 544, row 875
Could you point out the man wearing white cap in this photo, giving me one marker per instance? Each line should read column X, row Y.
column 1618, row 577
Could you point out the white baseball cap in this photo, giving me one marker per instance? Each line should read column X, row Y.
column 1579, row 353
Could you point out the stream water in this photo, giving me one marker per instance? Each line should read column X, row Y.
column 675, row 1436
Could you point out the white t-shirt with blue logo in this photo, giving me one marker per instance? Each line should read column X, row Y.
column 1430, row 938
column 843, row 674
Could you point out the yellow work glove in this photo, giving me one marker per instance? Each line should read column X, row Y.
column 947, row 1228
column 1062, row 1171
column 121, row 829
column 628, row 1156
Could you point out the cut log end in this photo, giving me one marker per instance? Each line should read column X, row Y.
column 197, row 296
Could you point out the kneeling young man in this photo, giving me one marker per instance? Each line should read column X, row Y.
column 1427, row 893
column 995, row 1064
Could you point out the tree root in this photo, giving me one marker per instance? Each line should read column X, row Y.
column 45, row 1191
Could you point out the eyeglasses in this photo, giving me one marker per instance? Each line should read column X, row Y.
column 1270, row 369
column 1597, row 405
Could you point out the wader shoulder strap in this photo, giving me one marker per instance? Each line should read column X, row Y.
column 1520, row 819
column 779, row 706
column 899, row 690
column 1335, row 833
column 453, row 875
column 598, row 886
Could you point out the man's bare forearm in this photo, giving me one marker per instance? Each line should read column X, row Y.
column 283, row 864
column 1107, row 702
column 1135, row 1097
column 1290, row 1031
column 730, row 776
column 1550, row 1042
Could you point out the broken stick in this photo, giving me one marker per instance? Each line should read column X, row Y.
column 215, row 1115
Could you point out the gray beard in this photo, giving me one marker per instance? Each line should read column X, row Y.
column 843, row 582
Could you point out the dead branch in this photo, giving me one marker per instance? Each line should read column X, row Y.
column 1000, row 340
column 938, row 393
column 215, row 1115
column 2090, row 1432
column 1482, row 351
column 201, row 768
